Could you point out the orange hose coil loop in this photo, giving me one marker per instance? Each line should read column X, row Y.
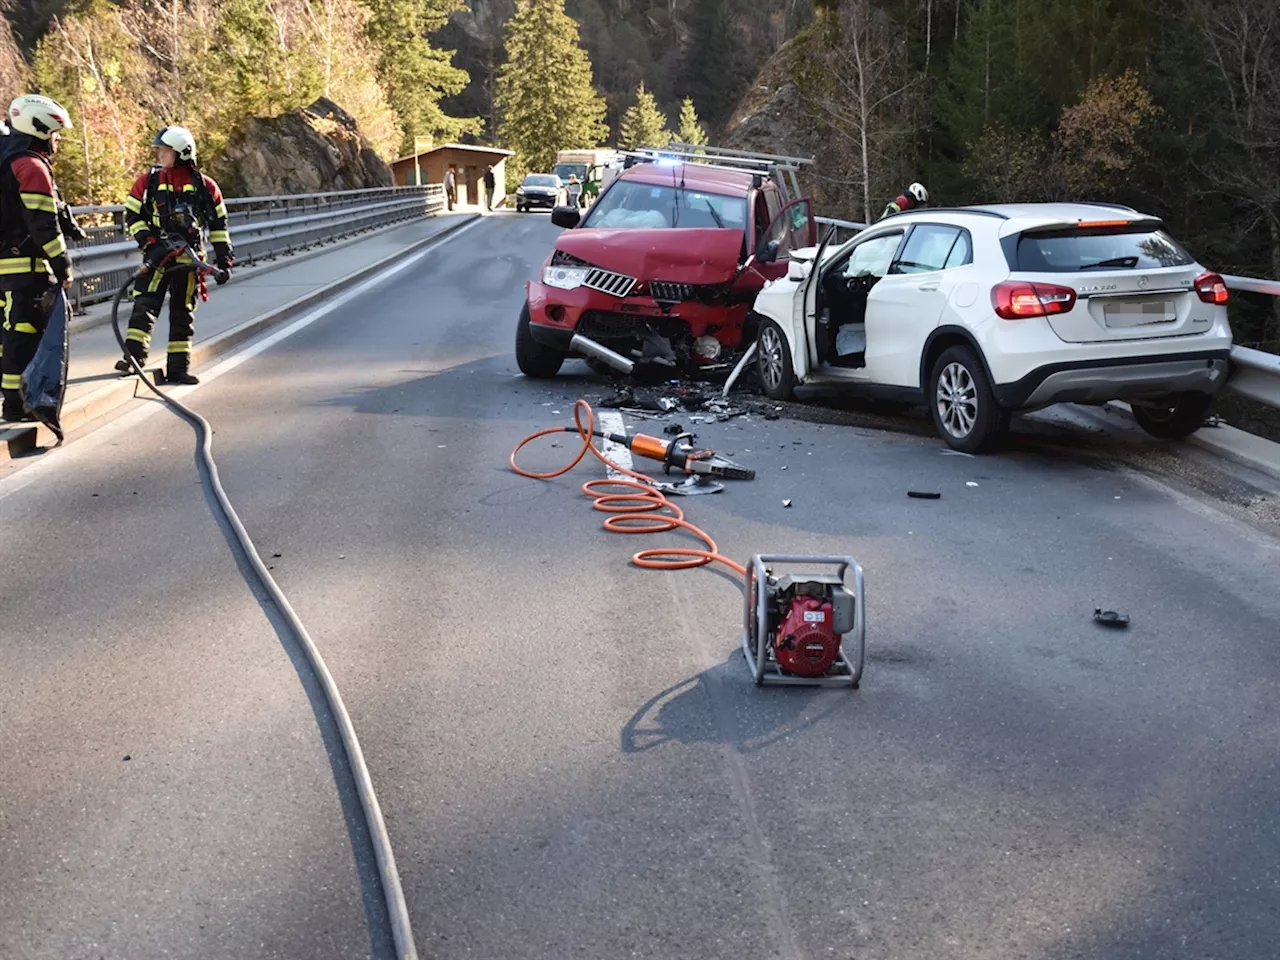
column 639, row 509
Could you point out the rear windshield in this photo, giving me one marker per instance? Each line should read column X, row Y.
column 541, row 180
column 642, row 205
column 1073, row 251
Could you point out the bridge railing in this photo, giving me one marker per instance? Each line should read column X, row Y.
column 1255, row 373
column 262, row 228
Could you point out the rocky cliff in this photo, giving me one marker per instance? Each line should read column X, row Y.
column 315, row 149
column 777, row 116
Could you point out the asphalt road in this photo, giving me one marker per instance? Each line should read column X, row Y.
column 570, row 754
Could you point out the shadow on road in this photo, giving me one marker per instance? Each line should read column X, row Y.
column 679, row 713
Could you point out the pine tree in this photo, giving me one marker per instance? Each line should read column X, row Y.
column 415, row 74
column 690, row 129
column 715, row 74
column 544, row 91
column 643, row 125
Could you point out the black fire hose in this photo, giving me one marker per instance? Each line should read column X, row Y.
column 393, row 893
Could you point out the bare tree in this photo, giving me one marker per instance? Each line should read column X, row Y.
column 863, row 90
column 1243, row 43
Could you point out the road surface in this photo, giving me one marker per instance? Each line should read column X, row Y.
column 568, row 750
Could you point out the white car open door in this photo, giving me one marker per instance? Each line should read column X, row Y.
column 804, row 316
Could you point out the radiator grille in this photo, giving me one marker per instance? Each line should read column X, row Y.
column 606, row 281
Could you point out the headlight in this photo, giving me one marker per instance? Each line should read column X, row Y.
column 519, row 191
column 565, row 278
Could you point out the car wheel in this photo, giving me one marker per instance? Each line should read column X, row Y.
column 533, row 358
column 965, row 411
column 1175, row 418
column 773, row 362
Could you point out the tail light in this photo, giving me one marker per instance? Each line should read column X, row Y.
column 1017, row 300
column 1211, row 288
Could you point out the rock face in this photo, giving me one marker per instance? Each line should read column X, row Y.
column 777, row 116
column 312, row 150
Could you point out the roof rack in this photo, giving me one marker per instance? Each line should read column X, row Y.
column 781, row 169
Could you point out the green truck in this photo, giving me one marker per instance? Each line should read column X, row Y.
column 594, row 168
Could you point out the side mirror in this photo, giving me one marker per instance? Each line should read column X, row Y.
column 767, row 251
column 568, row 217
column 795, row 270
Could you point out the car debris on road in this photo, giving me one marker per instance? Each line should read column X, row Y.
column 1109, row 618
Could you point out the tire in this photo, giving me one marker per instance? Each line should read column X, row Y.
column 1179, row 417
column 773, row 362
column 965, row 411
column 533, row 358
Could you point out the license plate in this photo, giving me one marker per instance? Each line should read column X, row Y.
column 1138, row 313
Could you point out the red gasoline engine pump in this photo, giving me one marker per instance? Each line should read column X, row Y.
column 795, row 623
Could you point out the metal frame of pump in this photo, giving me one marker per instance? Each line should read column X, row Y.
column 758, row 633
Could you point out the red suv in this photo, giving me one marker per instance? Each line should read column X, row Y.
column 663, row 268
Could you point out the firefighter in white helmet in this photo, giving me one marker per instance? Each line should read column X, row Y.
column 171, row 205
column 33, row 251
column 914, row 196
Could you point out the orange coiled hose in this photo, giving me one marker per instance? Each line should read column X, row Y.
column 642, row 508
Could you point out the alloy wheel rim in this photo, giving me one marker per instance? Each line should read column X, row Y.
column 771, row 354
column 957, row 400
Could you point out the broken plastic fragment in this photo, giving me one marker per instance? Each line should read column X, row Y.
column 786, row 503
column 1109, row 618
column 924, row 495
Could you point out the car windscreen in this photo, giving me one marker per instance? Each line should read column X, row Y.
column 1074, row 250
column 634, row 205
column 565, row 170
column 541, row 180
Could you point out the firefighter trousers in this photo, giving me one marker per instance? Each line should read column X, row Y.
column 20, row 332
column 149, row 292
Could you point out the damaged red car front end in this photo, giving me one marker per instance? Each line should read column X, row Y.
column 663, row 271
column 640, row 289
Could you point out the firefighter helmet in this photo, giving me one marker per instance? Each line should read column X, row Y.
column 180, row 140
column 918, row 193
column 38, row 116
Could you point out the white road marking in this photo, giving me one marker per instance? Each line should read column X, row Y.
column 76, row 449
column 611, row 421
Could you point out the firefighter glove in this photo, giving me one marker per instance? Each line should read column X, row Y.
column 67, row 221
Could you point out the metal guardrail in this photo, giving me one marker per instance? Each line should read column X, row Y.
column 845, row 229
column 1254, row 373
column 262, row 228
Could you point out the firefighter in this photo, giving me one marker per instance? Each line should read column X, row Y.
column 167, row 207
column 914, row 196
column 33, row 251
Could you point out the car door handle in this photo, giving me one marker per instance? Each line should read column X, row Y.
column 929, row 286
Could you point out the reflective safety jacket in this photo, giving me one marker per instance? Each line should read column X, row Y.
column 901, row 205
column 31, row 238
column 174, row 203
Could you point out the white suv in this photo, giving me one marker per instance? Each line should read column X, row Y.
column 980, row 311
